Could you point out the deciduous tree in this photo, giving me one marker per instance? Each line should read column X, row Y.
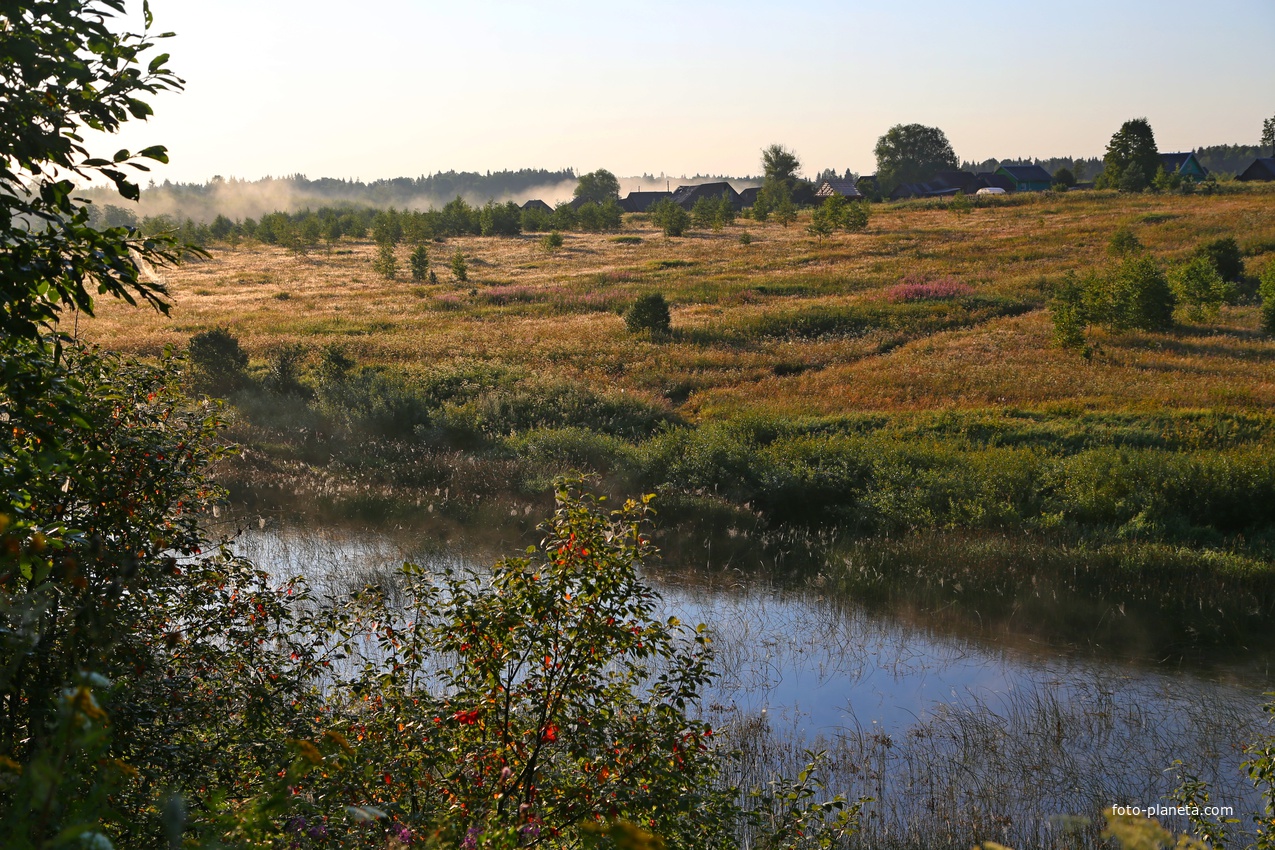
column 908, row 153
column 598, row 186
column 1132, row 158
column 781, row 167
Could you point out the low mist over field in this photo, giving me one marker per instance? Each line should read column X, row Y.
column 238, row 199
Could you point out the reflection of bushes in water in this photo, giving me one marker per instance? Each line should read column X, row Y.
column 1138, row 599
column 879, row 482
column 1021, row 769
column 1206, row 481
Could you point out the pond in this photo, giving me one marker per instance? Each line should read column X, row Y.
column 958, row 734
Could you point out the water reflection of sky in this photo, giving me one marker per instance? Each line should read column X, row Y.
column 815, row 663
column 946, row 728
column 824, row 665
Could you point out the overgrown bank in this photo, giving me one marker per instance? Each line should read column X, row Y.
column 1169, row 511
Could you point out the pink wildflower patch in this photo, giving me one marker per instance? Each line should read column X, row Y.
column 917, row 288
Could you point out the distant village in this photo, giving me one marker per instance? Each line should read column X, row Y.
column 1004, row 180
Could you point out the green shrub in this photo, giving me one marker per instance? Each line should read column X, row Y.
column 649, row 313
column 669, row 217
column 513, row 403
column 1124, row 241
column 551, row 241
column 500, row 219
column 283, row 371
column 713, row 213
column 385, row 264
column 856, row 216
column 418, row 262
column 1267, row 290
column 1133, row 295
column 460, row 269
column 1224, row 254
column 1067, row 309
column 536, row 220
column 1200, row 288
column 218, row 360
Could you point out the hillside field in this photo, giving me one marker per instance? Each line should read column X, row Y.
column 799, row 388
column 786, row 325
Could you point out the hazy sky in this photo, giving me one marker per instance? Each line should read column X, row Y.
column 387, row 88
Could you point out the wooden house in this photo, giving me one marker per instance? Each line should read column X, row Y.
column 843, row 188
column 537, row 204
column 1263, row 168
column 993, row 180
column 1027, row 178
column 687, row 196
column 950, row 182
column 943, row 184
column 638, row 202
column 1183, row 164
column 748, row 197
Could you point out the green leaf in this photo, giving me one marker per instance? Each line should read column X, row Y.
column 157, row 62
column 159, row 153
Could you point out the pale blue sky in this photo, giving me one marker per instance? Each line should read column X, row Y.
column 386, row 88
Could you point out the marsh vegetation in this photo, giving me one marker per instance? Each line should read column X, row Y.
column 901, row 380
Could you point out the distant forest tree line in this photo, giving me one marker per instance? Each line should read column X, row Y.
column 1221, row 160
column 356, row 206
column 307, row 230
column 397, row 191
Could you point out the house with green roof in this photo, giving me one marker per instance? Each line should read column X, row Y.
column 1026, row 178
column 1184, row 165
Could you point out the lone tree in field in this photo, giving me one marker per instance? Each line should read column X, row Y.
column 598, row 186
column 1132, row 158
column 385, row 264
column 649, row 313
column 909, row 153
column 459, row 267
column 670, row 217
column 780, row 168
column 419, row 263
column 1267, row 290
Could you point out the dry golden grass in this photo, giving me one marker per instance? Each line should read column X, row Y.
column 561, row 317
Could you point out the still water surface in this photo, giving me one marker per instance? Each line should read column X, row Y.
column 992, row 734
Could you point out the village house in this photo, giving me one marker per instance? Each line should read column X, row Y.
column 842, row 188
column 1263, row 168
column 638, row 202
column 687, row 196
column 1184, row 165
column 1026, row 178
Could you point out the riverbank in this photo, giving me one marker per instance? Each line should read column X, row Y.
column 898, row 386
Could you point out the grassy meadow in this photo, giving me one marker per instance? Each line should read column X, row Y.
column 800, row 385
column 783, row 326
